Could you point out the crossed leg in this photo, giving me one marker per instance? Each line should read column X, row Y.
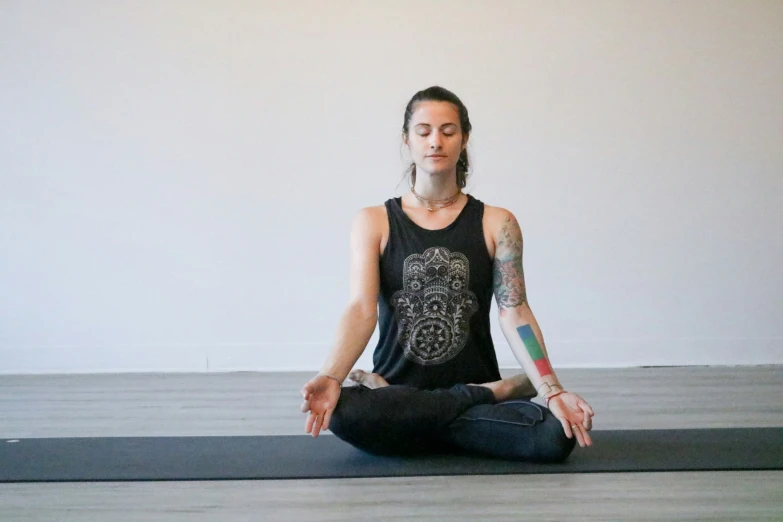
column 510, row 388
column 494, row 419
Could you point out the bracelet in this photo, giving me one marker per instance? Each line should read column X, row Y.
column 331, row 377
column 546, row 399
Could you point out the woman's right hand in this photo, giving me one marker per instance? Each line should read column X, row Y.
column 320, row 399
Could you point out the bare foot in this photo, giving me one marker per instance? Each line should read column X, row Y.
column 370, row 380
column 510, row 388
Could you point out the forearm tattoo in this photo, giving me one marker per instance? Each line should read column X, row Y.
column 534, row 349
column 508, row 279
column 546, row 388
column 539, row 358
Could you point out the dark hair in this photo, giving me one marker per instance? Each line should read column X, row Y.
column 436, row 93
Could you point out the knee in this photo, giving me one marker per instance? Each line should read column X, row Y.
column 354, row 421
column 345, row 417
column 552, row 445
column 358, row 420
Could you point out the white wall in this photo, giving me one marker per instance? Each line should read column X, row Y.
column 177, row 178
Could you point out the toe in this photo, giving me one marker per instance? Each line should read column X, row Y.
column 357, row 376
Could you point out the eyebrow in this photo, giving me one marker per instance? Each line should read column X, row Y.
column 428, row 125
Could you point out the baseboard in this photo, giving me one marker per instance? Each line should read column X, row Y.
column 609, row 353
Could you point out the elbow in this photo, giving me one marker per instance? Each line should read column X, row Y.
column 363, row 310
column 516, row 314
column 505, row 313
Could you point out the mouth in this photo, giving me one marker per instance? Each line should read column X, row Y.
column 436, row 156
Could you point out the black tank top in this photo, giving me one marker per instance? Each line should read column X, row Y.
column 434, row 302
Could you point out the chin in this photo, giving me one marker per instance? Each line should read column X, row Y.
column 438, row 172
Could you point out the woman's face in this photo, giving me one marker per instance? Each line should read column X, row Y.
column 434, row 137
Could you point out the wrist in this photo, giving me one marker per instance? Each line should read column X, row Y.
column 548, row 389
column 552, row 396
column 332, row 377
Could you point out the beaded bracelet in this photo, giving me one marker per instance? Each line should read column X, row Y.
column 331, row 377
column 547, row 399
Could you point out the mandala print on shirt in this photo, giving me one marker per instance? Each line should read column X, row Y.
column 434, row 306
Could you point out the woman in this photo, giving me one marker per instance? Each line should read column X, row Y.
column 425, row 266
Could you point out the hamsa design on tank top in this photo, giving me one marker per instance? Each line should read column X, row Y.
column 434, row 307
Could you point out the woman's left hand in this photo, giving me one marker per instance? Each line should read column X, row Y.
column 575, row 415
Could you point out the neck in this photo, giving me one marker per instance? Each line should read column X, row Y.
column 435, row 187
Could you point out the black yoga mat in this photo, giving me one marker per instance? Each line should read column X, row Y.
column 302, row 457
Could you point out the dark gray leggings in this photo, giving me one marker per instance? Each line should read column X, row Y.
column 402, row 420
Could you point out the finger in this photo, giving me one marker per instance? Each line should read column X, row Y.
column 305, row 406
column 588, row 439
column 309, row 422
column 587, row 408
column 587, row 417
column 327, row 419
column 587, row 422
column 566, row 428
column 580, row 438
column 317, row 426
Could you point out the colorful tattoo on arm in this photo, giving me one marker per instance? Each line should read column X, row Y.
column 534, row 349
column 508, row 278
column 540, row 359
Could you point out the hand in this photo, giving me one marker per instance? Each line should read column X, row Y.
column 575, row 415
column 320, row 399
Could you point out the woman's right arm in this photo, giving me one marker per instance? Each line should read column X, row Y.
column 356, row 325
column 361, row 315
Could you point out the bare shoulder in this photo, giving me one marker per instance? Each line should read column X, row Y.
column 370, row 217
column 371, row 223
column 500, row 221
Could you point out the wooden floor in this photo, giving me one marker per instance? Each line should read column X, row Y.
column 259, row 403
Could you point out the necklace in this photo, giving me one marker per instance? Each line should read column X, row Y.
column 443, row 203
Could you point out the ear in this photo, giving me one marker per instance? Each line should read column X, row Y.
column 465, row 141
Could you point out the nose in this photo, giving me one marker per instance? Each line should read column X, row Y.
column 435, row 140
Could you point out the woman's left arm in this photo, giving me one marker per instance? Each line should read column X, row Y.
column 524, row 335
